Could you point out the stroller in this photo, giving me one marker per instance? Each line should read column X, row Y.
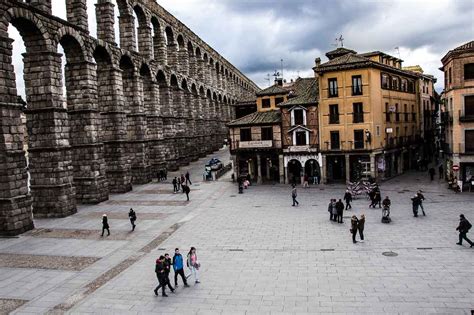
column 386, row 214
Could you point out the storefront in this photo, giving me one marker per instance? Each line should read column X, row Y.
column 299, row 165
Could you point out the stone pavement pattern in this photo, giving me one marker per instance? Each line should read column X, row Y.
column 260, row 255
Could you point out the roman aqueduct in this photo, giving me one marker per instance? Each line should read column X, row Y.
column 160, row 99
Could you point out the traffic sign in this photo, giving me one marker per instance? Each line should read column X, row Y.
column 455, row 168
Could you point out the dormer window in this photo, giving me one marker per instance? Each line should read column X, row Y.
column 298, row 116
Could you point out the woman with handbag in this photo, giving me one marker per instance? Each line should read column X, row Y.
column 193, row 264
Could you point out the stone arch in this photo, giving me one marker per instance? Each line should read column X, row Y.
column 205, row 58
column 144, row 39
column 198, row 53
column 180, row 41
column 161, row 78
column 169, row 35
column 72, row 33
column 202, row 91
column 190, row 49
column 171, row 48
column 194, row 89
column 184, row 85
column 159, row 41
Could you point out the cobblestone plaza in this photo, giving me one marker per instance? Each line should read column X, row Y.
column 259, row 254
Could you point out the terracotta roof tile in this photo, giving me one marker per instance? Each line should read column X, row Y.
column 258, row 118
column 305, row 91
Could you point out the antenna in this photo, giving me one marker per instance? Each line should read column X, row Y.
column 398, row 52
column 281, row 61
column 341, row 40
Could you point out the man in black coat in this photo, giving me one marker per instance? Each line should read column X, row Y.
column 340, row 210
column 463, row 228
column 105, row 225
column 186, row 190
column 160, row 274
column 415, row 204
column 133, row 217
column 348, row 199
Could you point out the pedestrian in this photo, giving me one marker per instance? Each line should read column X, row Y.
column 386, row 203
column 305, row 181
column 440, row 171
column 372, row 198
column 330, row 205
column 133, row 217
column 178, row 267
column 105, row 225
column 340, row 210
column 415, row 204
column 316, row 179
column 183, row 180
column 431, row 171
column 348, row 199
column 378, row 199
column 354, row 227
column 188, row 178
column 463, row 228
column 160, row 274
column 168, row 263
column 186, row 190
column 333, row 210
column 193, row 264
column 294, row 194
column 175, row 185
column 360, row 227
column 420, row 201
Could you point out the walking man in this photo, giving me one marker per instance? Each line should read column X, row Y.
column 420, row 201
column 440, row 171
column 183, row 181
column 168, row 264
column 133, row 217
column 377, row 199
column 178, row 267
column 186, row 190
column 294, row 194
column 160, row 274
column 415, row 203
column 175, row 185
column 360, row 227
column 340, row 210
column 105, row 225
column 188, row 178
column 463, row 228
column 348, row 199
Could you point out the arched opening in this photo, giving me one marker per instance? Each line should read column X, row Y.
column 100, row 24
column 171, row 49
column 294, row 172
column 313, row 171
column 128, row 72
column 159, row 41
column 143, row 32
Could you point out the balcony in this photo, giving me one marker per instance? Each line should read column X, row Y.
column 466, row 117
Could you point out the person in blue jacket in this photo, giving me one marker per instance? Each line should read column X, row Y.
column 178, row 267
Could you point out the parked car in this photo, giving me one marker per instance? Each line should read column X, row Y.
column 214, row 164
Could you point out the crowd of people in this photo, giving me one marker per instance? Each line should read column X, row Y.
column 163, row 266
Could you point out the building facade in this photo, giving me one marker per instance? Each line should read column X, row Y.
column 300, row 132
column 368, row 115
column 458, row 115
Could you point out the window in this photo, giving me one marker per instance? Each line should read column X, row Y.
column 358, row 112
column 279, row 100
column 333, row 114
column 469, row 71
column 411, row 87
column 335, row 143
column 332, row 83
column 385, row 81
column 397, row 114
column 469, row 141
column 405, row 107
column 450, row 76
column 377, row 131
column 266, row 103
column 300, row 137
column 387, row 112
column 395, row 83
column 404, row 85
column 267, row 133
column 358, row 139
column 413, row 114
column 446, row 78
column 245, row 134
column 299, row 118
column 356, row 85
column 469, row 105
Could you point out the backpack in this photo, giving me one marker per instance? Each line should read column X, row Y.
column 468, row 226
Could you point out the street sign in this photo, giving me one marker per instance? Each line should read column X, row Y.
column 455, row 168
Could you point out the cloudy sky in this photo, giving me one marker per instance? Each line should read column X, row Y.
column 255, row 35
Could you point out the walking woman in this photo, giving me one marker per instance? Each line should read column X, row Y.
column 193, row 264
column 360, row 227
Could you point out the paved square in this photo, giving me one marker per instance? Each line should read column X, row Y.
column 259, row 254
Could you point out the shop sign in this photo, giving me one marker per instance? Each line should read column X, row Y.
column 455, row 168
column 255, row 144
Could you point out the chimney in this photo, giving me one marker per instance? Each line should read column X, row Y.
column 279, row 81
column 317, row 62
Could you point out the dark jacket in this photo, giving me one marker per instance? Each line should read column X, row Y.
column 348, row 197
column 420, row 196
column 377, row 196
column 186, row 189
column 167, row 264
column 360, row 224
column 105, row 223
column 416, row 201
column 464, row 225
column 160, row 269
column 386, row 202
column 339, row 207
column 132, row 215
column 175, row 181
column 354, row 225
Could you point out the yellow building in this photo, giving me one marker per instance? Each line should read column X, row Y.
column 458, row 67
column 368, row 115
